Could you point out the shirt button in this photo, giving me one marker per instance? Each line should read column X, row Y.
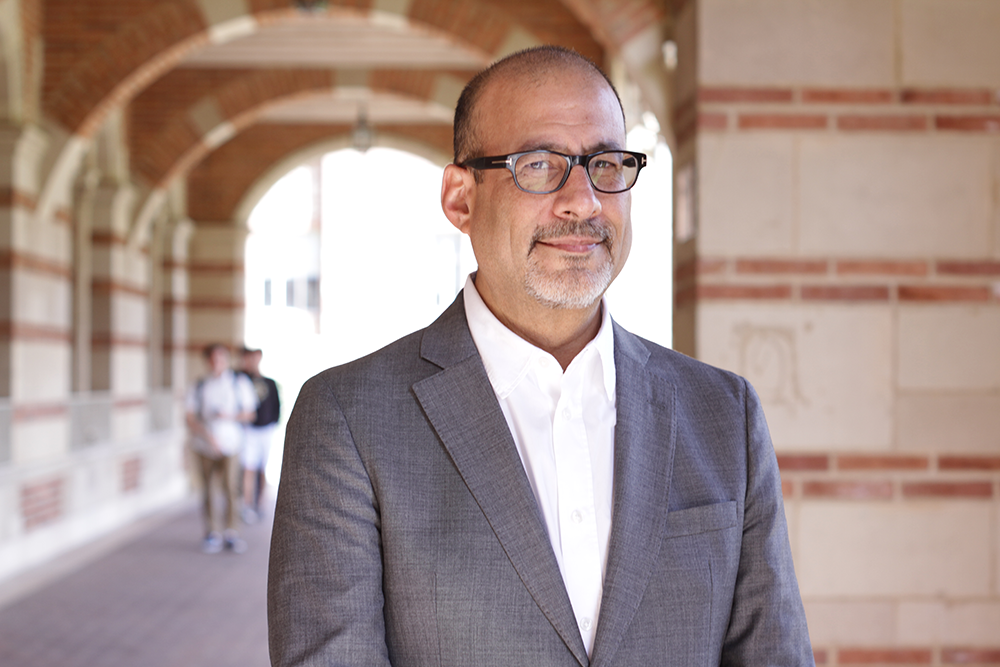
column 585, row 624
column 576, row 517
column 567, row 413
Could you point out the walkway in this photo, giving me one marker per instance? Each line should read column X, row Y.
column 153, row 601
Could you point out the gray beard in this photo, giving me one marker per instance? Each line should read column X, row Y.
column 573, row 286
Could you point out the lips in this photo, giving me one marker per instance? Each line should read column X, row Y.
column 572, row 244
column 574, row 237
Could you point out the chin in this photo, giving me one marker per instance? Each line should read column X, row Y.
column 569, row 289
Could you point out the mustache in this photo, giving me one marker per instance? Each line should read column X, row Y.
column 589, row 228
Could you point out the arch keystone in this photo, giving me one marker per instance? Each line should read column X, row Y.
column 352, row 79
column 447, row 89
column 206, row 116
column 517, row 39
column 227, row 19
column 393, row 14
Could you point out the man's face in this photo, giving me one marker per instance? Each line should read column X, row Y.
column 218, row 362
column 563, row 249
column 251, row 362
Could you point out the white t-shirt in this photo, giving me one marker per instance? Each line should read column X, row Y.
column 217, row 401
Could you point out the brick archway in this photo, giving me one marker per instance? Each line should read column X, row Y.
column 116, row 64
column 197, row 122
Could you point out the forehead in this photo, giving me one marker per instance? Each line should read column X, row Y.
column 566, row 109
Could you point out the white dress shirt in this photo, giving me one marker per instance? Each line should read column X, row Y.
column 563, row 424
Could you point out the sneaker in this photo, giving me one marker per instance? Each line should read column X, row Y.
column 250, row 517
column 233, row 543
column 212, row 544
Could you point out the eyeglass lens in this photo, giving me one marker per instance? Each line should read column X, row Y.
column 611, row 171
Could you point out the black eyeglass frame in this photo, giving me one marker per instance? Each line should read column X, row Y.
column 508, row 161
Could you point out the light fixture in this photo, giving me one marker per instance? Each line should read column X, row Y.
column 362, row 135
column 311, row 6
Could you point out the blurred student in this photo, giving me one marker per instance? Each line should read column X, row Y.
column 259, row 433
column 217, row 407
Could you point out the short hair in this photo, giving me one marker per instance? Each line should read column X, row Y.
column 210, row 349
column 536, row 62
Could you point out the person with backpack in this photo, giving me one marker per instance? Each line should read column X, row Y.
column 259, row 434
column 216, row 409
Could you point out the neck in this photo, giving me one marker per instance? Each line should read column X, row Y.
column 562, row 332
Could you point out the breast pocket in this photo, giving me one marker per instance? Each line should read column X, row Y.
column 685, row 609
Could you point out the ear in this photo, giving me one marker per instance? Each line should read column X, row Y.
column 458, row 189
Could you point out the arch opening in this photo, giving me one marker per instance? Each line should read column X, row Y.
column 349, row 251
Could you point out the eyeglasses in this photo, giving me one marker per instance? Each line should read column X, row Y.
column 543, row 172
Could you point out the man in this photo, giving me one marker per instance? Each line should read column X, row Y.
column 257, row 442
column 216, row 409
column 524, row 483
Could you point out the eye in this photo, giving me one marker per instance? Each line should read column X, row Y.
column 607, row 161
column 538, row 165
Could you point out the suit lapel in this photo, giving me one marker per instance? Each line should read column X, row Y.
column 644, row 449
column 463, row 409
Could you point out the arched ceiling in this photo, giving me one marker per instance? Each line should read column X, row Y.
column 192, row 75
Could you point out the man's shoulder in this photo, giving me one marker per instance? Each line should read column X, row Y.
column 425, row 351
column 398, row 364
column 674, row 366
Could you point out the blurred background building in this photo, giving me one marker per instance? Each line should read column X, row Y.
column 836, row 186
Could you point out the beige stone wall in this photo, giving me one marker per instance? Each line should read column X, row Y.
column 215, row 272
column 847, row 261
column 77, row 461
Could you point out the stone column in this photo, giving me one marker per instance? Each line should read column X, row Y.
column 839, row 245
column 34, row 304
column 215, row 289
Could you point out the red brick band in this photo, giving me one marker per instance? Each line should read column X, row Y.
column 884, row 477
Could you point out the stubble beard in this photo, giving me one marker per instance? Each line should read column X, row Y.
column 575, row 285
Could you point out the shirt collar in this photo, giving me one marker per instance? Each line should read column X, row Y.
column 507, row 357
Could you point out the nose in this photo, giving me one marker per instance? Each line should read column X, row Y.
column 577, row 198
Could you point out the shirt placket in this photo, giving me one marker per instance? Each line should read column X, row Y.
column 580, row 547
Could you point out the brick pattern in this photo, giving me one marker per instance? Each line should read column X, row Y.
column 31, row 263
column 837, row 279
column 105, row 54
column 12, row 197
column 26, row 412
column 217, row 185
column 166, row 143
column 100, row 54
column 566, row 21
column 104, row 340
column 161, row 128
column 889, row 476
column 908, row 656
column 27, row 331
column 118, row 287
column 42, row 502
column 715, row 109
column 615, row 23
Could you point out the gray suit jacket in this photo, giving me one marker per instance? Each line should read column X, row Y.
column 406, row 532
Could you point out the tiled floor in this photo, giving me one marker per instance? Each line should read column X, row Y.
column 153, row 601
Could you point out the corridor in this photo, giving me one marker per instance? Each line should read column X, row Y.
column 151, row 600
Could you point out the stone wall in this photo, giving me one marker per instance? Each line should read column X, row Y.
column 842, row 161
